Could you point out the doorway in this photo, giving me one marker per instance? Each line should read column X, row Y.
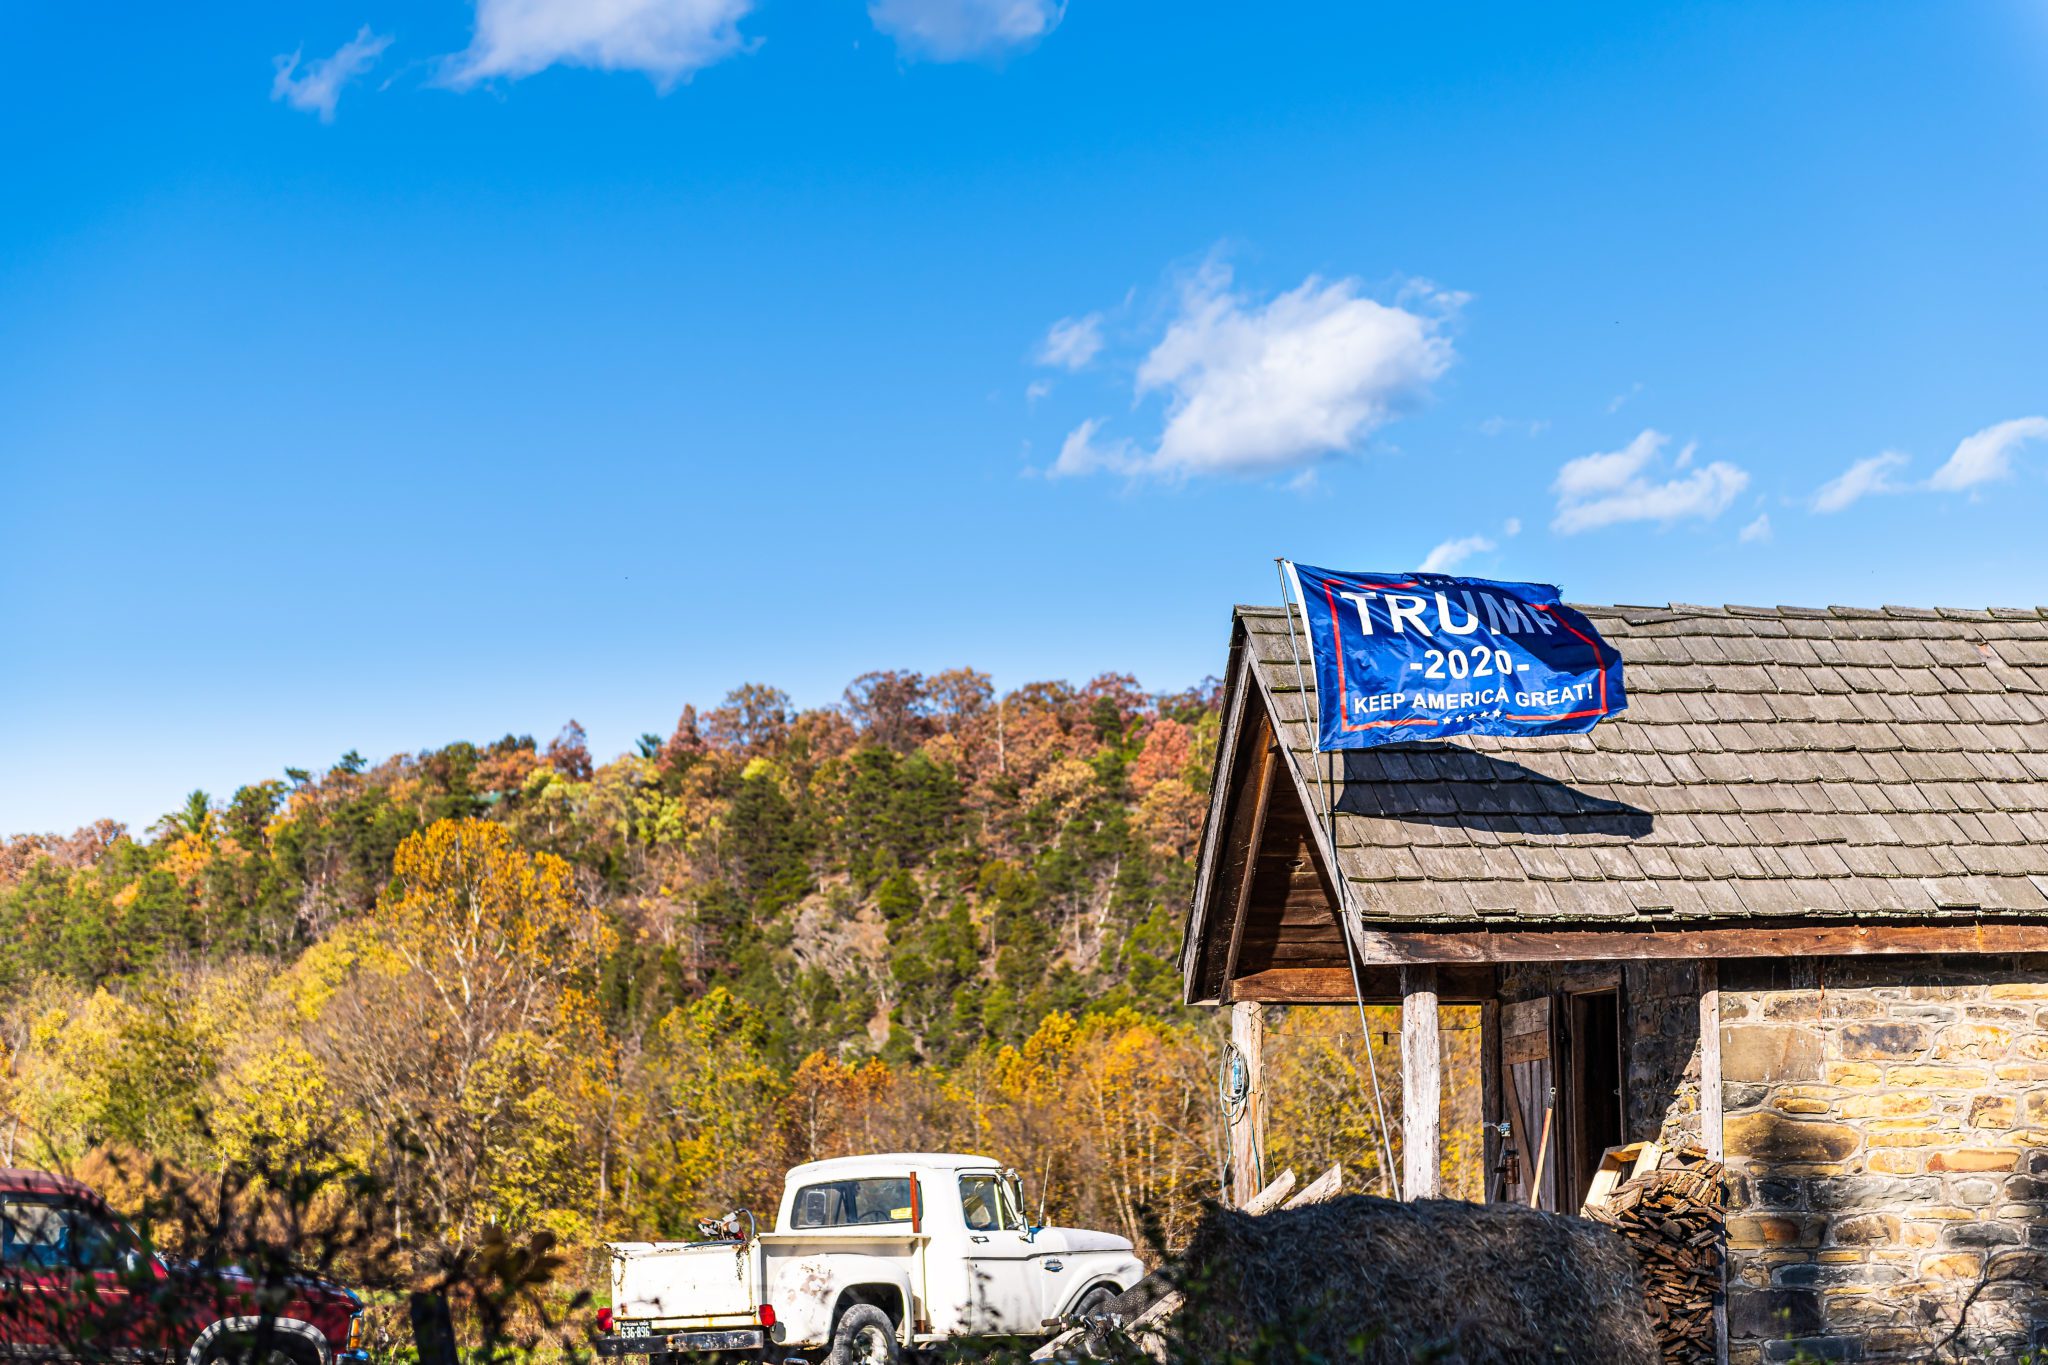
column 1595, row 1093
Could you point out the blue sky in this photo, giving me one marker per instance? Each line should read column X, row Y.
column 489, row 365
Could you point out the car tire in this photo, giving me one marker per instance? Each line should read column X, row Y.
column 864, row 1335
column 239, row 1348
column 1093, row 1304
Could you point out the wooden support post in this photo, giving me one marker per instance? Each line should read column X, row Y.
column 1492, row 1106
column 1710, row 1119
column 1422, row 1085
column 1248, row 1133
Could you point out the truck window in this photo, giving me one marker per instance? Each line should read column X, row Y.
column 846, row 1203
column 986, row 1204
column 37, row 1234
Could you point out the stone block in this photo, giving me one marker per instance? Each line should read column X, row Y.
column 1901, row 1162
column 1793, row 1005
column 1750, row 1231
column 1885, row 1105
column 2019, row 990
column 1814, row 1348
column 1974, row 1159
column 1856, row 1193
column 1973, row 1043
column 1770, row 1053
column 1769, row 1137
column 1954, row 1265
column 1774, row 1312
column 1859, row 1074
column 1886, row 1040
column 1994, row 1111
column 1938, row 1077
column 1982, row 1235
column 2022, row 1073
column 1975, row 1193
column 1804, row 1107
column 1863, row 1228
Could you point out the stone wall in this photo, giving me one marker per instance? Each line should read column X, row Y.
column 1886, row 1126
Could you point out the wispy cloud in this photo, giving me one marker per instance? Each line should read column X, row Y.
column 1071, row 343
column 1496, row 426
column 669, row 40
column 1987, row 455
column 1756, row 531
column 1620, row 400
column 315, row 86
column 1859, row 481
column 1273, row 387
column 1451, row 553
column 1605, row 489
column 956, row 30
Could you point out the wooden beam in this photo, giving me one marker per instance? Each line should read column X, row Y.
column 1240, row 905
column 1459, row 983
column 1248, row 1130
column 1422, row 1086
column 1394, row 947
column 1492, row 1106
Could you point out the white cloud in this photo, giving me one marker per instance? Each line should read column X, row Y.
column 1451, row 553
column 1274, row 387
column 317, row 88
column 1757, row 530
column 951, row 30
column 1858, row 481
column 1616, row 403
column 1512, row 526
column 1081, row 453
column 1071, row 343
column 1605, row 489
column 1987, row 455
column 668, row 39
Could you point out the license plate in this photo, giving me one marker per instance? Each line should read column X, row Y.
column 636, row 1329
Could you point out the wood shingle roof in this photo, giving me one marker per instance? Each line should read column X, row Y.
column 1772, row 762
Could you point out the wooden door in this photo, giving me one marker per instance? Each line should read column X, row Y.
column 1528, row 1063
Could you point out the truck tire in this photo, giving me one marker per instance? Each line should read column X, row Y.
column 864, row 1336
column 239, row 1348
column 1093, row 1304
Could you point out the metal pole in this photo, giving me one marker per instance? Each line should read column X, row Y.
column 1289, row 601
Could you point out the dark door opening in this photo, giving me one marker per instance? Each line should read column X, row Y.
column 1595, row 1089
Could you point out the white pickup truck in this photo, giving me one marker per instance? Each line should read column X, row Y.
column 872, row 1258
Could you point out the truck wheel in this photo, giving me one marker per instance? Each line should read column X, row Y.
column 240, row 1349
column 1093, row 1304
column 864, row 1336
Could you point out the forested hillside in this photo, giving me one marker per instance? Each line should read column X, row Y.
column 533, row 990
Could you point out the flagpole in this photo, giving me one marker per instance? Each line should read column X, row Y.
column 1289, row 578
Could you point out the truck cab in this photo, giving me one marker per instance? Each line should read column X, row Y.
column 870, row 1255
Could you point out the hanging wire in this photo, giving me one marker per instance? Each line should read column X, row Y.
column 1289, row 600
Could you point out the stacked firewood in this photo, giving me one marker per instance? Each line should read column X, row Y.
column 1671, row 1217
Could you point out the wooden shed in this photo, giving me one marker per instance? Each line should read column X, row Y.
column 1790, row 907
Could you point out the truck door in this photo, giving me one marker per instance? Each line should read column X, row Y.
column 1003, row 1263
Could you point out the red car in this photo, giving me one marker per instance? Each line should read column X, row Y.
column 78, row 1283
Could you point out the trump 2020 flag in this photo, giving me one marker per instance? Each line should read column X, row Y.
column 1401, row 657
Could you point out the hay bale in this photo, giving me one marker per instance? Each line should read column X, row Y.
column 1437, row 1279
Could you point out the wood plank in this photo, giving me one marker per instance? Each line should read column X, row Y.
column 1422, row 1084
column 1241, row 902
column 1800, row 939
column 1331, row 985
